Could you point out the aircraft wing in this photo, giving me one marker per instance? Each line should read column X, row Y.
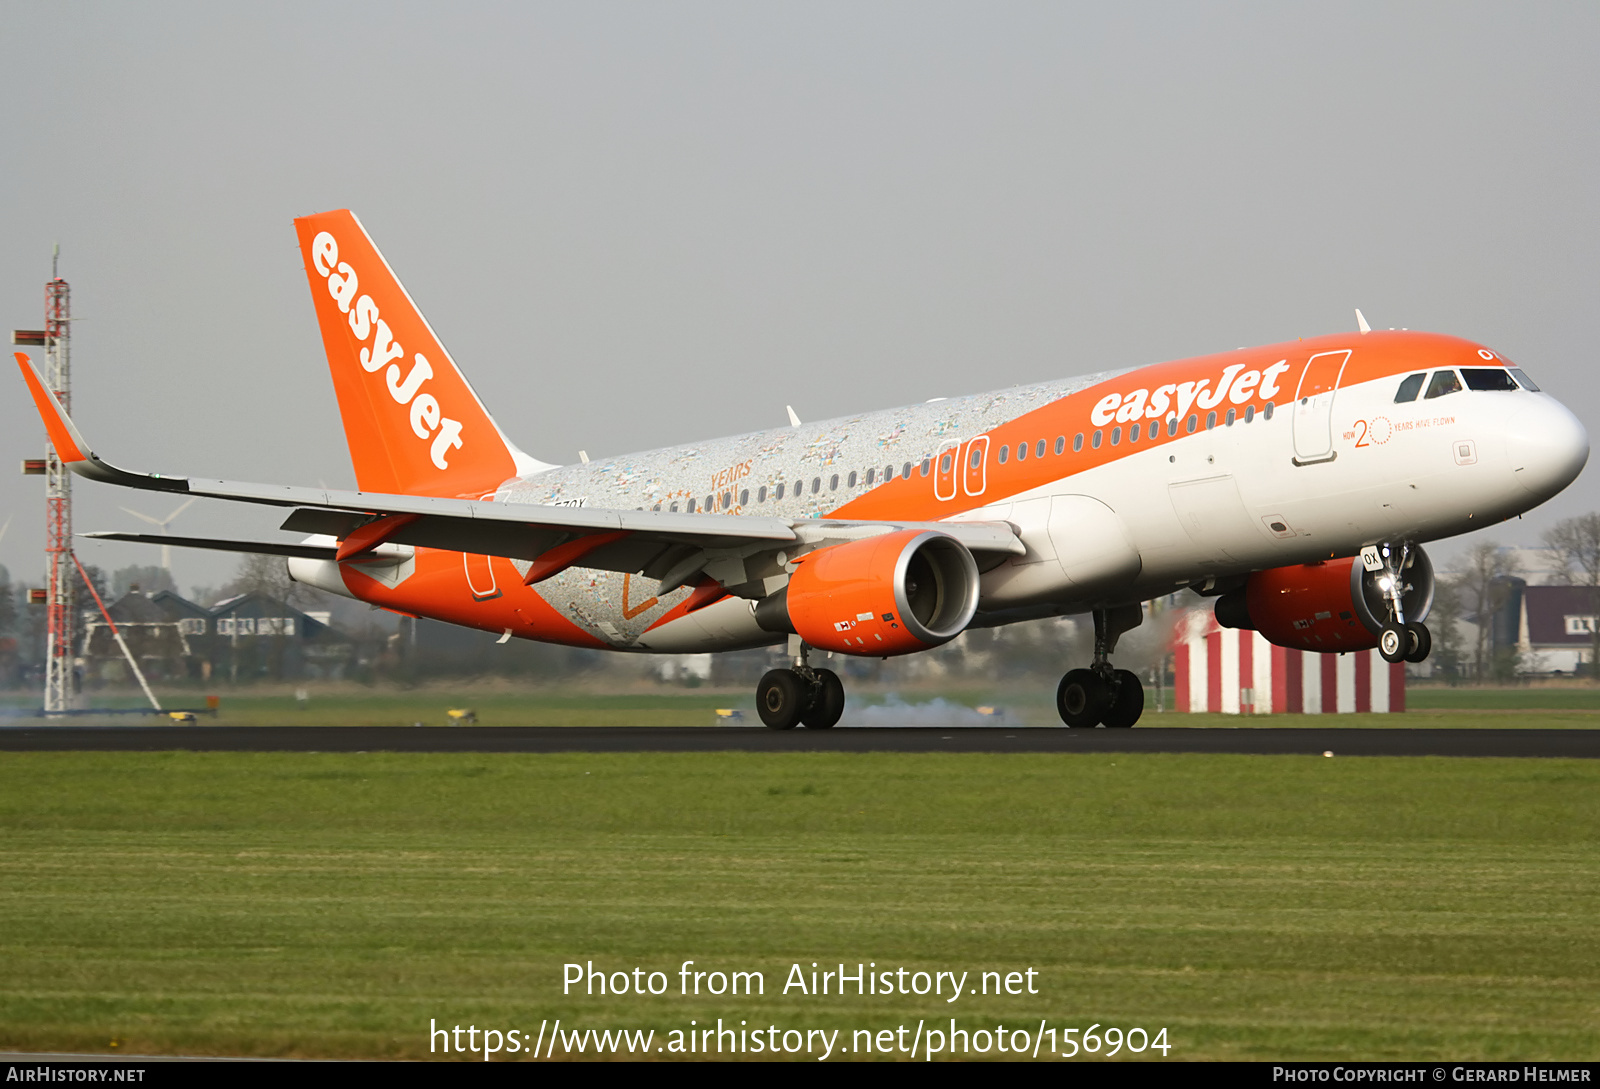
column 668, row 546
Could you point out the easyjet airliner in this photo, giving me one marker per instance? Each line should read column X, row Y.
column 1296, row 483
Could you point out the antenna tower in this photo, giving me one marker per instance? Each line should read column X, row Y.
column 58, row 677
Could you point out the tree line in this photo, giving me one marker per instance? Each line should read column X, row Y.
column 1481, row 587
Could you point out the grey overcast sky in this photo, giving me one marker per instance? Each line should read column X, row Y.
column 642, row 224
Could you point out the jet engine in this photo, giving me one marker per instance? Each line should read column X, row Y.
column 891, row 594
column 1331, row 605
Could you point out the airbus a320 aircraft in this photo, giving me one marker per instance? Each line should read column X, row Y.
column 1296, row 483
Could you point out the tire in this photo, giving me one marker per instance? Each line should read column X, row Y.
column 827, row 703
column 1127, row 702
column 1082, row 698
column 1421, row 641
column 781, row 698
column 1393, row 643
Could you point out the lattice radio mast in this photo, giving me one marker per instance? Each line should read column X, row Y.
column 58, row 677
column 56, row 339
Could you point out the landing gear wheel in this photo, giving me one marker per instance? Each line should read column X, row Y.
column 1082, row 698
column 827, row 704
column 1420, row 641
column 781, row 697
column 1127, row 700
column 1393, row 643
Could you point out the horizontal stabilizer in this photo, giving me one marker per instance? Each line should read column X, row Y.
column 308, row 552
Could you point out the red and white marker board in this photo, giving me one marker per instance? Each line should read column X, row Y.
column 1239, row 672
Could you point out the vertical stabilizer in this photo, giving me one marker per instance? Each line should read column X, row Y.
column 413, row 424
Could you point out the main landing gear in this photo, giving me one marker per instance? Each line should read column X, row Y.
column 1101, row 695
column 1400, row 640
column 787, row 698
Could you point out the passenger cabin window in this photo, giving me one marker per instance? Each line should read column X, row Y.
column 1077, row 442
column 1521, row 376
column 691, row 506
column 779, row 493
column 1005, row 452
column 1409, row 388
column 761, row 493
column 1095, row 442
column 833, row 482
column 744, row 498
column 1487, row 378
column 851, row 482
column 1022, row 451
column 871, row 476
column 816, row 485
column 927, row 466
column 1444, row 382
column 1038, row 449
column 1061, row 444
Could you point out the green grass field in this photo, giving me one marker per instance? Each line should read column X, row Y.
column 1256, row 907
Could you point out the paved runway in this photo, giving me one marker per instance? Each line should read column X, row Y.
column 1257, row 740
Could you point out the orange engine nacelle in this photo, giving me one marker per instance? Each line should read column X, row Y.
column 892, row 594
column 1331, row 606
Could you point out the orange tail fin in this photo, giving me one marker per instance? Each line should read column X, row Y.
column 414, row 425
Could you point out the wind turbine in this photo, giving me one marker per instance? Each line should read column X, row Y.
column 166, row 550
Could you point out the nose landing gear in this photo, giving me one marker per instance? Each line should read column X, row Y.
column 1101, row 695
column 1400, row 640
column 787, row 698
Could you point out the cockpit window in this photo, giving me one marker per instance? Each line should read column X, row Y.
column 1522, row 378
column 1487, row 378
column 1409, row 388
column 1443, row 382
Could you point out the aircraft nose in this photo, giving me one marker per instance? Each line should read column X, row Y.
column 1547, row 446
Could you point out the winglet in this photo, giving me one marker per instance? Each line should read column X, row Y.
column 794, row 421
column 70, row 446
column 1361, row 321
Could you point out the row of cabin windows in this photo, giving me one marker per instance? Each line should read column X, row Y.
column 1474, row 378
column 1134, row 432
column 1189, row 426
column 1004, row 455
column 763, row 493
